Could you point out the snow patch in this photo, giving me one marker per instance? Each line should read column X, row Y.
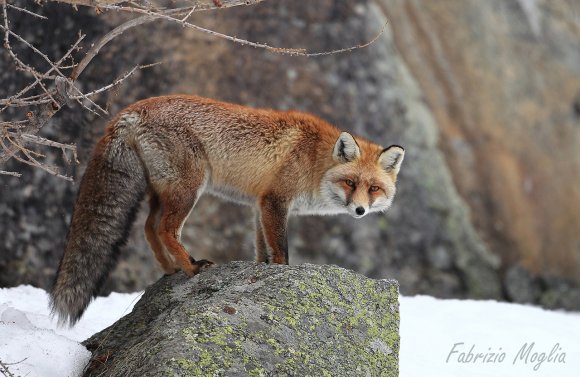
column 31, row 343
column 31, row 351
column 445, row 337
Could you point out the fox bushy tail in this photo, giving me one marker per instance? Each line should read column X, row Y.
column 110, row 193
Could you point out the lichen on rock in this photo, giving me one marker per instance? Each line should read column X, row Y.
column 247, row 319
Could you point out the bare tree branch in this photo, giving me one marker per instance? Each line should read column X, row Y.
column 56, row 88
column 199, row 5
column 26, row 11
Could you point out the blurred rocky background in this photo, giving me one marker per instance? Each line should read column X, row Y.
column 484, row 96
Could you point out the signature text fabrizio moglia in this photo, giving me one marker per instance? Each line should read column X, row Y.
column 528, row 354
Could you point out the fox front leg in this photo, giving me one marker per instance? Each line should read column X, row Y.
column 274, row 219
column 261, row 247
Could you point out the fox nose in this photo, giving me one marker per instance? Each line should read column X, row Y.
column 360, row 211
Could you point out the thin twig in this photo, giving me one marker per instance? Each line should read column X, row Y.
column 168, row 15
column 21, row 148
column 40, row 53
column 188, row 14
column 347, row 49
column 113, row 84
column 12, row 173
column 200, row 4
column 16, row 59
column 80, row 96
column 35, row 163
column 32, row 99
column 96, row 48
column 4, row 369
column 26, row 11
column 50, row 143
column 16, row 362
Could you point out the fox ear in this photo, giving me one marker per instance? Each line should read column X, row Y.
column 346, row 149
column 391, row 158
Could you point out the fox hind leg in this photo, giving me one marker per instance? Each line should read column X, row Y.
column 177, row 200
column 167, row 264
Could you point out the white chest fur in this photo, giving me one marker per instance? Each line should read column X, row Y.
column 314, row 205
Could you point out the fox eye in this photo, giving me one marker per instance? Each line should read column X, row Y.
column 374, row 189
column 349, row 183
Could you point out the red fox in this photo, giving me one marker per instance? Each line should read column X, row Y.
column 175, row 148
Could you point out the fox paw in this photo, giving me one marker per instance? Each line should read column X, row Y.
column 201, row 263
column 195, row 267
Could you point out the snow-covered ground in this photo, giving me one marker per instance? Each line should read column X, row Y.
column 31, row 343
column 438, row 337
column 445, row 337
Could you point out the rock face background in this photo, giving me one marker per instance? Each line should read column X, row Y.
column 503, row 81
column 485, row 97
column 245, row 319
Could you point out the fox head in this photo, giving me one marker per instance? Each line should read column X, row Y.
column 363, row 180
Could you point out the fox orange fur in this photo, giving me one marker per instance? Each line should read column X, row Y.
column 175, row 148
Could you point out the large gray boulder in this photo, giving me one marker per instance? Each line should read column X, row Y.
column 248, row 319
